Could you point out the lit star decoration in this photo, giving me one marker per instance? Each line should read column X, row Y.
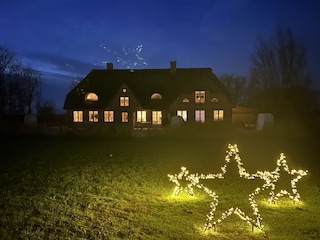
column 271, row 179
column 194, row 180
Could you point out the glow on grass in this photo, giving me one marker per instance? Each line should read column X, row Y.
column 281, row 203
column 186, row 182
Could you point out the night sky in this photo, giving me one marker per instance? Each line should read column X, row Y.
column 66, row 39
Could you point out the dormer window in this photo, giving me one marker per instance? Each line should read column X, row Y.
column 214, row 100
column 199, row 96
column 91, row 97
column 156, row 96
column 185, row 100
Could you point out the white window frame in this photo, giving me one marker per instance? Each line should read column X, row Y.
column 141, row 116
column 93, row 116
column 200, row 96
column 183, row 114
column 77, row 116
column 156, row 117
column 218, row 115
column 108, row 116
column 200, row 116
column 124, row 117
column 124, row 101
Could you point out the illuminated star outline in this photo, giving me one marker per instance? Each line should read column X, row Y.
column 194, row 181
column 184, row 174
column 234, row 152
column 271, row 179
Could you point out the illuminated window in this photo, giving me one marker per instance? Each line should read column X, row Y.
column 156, row 96
column 200, row 116
column 93, row 116
column 77, row 116
column 108, row 116
column 199, row 96
column 124, row 101
column 214, row 100
column 91, row 97
column 185, row 100
column 156, row 117
column 141, row 116
column 124, row 117
column 183, row 114
column 124, row 90
column 218, row 115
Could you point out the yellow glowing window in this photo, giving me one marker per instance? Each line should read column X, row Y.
column 200, row 116
column 108, row 116
column 141, row 116
column 77, row 116
column 185, row 100
column 91, row 97
column 218, row 115
column 156, row 96
column 199, row 96
column 183, row 114
column 93, row 116
column 124, row 101
column 156, row 117
column 124, row 117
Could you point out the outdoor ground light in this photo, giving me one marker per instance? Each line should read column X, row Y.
column 186, row 182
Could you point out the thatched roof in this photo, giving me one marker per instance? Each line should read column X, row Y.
column 142, row 83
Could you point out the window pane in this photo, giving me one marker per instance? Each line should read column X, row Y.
column 124, row 117
column 200, row 116
column 199, row 96
column 108, row 116
column 218, row 115
column 77, row 116
column 183, row 114
column 141, row 116
column 156, row 117
column 93, row 116
column 124, row 101
column 91, row 97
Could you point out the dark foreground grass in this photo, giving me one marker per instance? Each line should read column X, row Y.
column 100, row 188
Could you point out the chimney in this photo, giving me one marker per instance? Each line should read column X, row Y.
column 109, row 66
column 173, row 66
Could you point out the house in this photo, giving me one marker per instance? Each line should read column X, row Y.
column 147, row 98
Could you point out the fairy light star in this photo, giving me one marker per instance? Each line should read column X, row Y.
column 184, row 182
column 256, row 220
column 272, row 178
column 194, row 181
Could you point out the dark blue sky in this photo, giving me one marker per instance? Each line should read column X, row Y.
column 67, row 38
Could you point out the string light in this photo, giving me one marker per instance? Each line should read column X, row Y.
column 186, row 182
column 194, row 181
column 272, row 178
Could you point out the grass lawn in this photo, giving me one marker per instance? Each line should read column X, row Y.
column 63, row 187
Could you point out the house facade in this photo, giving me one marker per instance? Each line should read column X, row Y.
column 147, row 98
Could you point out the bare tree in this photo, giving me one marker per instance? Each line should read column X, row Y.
column 279, row 80
column 31, row 83
column 20, row 87
column 237, row 87
column 6, row 58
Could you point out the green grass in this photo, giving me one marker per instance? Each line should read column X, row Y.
column 101, row 188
